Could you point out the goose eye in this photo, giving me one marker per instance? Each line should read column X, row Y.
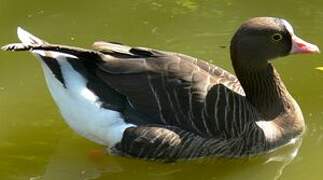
column 277, row 37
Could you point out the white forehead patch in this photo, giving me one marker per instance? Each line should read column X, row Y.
column 288, row 26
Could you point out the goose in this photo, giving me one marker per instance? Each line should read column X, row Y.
column 152, row 104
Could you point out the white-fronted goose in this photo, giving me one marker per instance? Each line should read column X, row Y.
column 154, row 104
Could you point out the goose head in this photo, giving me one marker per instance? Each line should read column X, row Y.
column 262, row 39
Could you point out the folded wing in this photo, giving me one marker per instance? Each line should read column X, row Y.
column 175, row 89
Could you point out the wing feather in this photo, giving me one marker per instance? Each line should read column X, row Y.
column 174, row 89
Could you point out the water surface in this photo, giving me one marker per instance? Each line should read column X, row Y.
column 35, row 143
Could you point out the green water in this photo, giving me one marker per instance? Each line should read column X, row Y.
column 35, row 143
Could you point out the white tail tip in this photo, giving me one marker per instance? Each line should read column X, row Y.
column 27, row 38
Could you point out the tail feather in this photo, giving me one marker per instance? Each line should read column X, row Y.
column 36, row 45
column 28, row 41
column 27, row 38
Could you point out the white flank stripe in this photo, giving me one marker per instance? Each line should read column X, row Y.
column 79, row 106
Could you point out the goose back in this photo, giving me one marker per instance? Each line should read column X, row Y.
column 177, row 90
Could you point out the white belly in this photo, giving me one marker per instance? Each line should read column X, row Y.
column 81, row 108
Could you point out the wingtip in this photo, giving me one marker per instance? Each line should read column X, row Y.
column 9, row 47
column 4, row 48
column 16, row 47
column 28, row 40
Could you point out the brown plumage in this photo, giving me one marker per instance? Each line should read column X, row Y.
column 184, row 107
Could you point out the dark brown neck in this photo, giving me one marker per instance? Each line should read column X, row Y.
column 264, row 90
column 280, row 116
